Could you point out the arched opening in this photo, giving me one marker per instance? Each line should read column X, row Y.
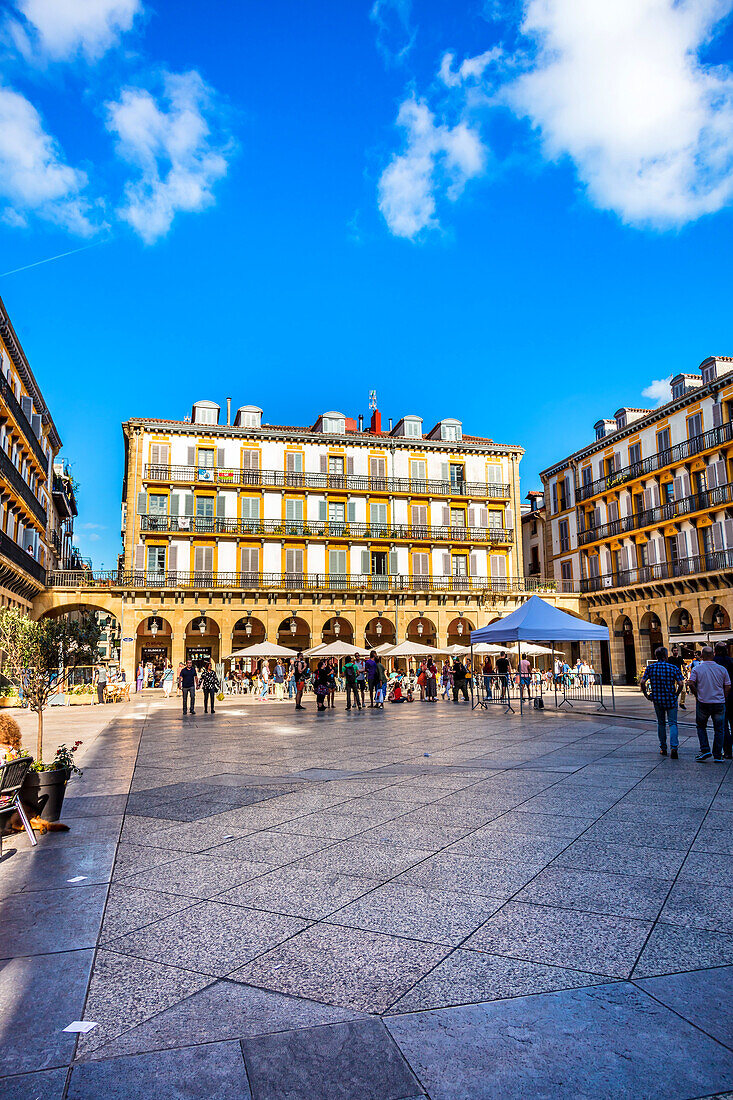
column 716, row 618
column 459, row 631
column 650, row 631
column 202, row 640
column 378, row 631
column 110, row 637
column 605, row 656
column 626, row 629
column 337, row 629
column 681, row 621
column 153, row 648
column 247, row 631
column 422, row 629
column 294, row 633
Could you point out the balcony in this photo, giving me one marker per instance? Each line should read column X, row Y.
column 288, row 582
column 63, row 497
column 708, row 441
column 714, row 562
column 6, row 393
column 15, row 478
column 19, row 557
column 708, row 500
column 328, row 529
column 353, row 483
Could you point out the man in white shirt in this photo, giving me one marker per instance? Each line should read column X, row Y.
column 710, row 684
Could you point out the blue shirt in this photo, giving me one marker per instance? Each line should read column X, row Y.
column 663, row 678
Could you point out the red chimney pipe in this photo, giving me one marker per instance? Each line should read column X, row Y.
column 376, row 425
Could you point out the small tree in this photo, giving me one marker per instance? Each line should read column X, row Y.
column 39, row 654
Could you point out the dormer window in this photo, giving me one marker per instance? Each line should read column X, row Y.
column 708, row 374
column 205, row 412
column 601, row 431
column 621, row 422
column 333, row 423
column 248, row 416
column 678, row 390
column 450, row 430
column 410, row 427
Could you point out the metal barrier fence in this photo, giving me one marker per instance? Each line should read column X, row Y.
column 508, row 692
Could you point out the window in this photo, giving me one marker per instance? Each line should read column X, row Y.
column 586, row 475
column 663, row 441
column 456, row 475
column 634, row 454
column 563, row 535
column 250, row 560
column 412, row 428
column 334, row 424
column 417, row 470
column 206, row 458
column 250, row 508
column 205, row 416
column 294, row 511
column 205, row 507
column 336, row 511
column 378, row 515
column 159, row 454
column 494, row 474
column 459, row 565
column 450, row 431
column 457, row 517
column 294, row 462
column 694, row 426
column 378, row 467
column 337, row 563
column 419, row 515
column 156, row 559
column 566, row 570
column 294, row 562
column 157, row 504
column 335, row 465
column 496, row 519
column 250, row 460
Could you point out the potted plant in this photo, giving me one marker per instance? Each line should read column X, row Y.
column 40, row 654
column 9, row 696
column 44, row 786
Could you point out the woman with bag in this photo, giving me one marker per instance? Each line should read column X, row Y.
column 431, row 684
column 210, row 685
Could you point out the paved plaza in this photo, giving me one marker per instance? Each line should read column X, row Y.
column 423, row 901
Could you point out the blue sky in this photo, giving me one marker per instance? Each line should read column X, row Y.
column 514, row 213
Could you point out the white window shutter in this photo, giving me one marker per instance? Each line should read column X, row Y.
column 624, row 560
column 728, row 525
column 142, row 503
column 198, row 559
column 656, row 498
column 508, row 518
column 365, row 565
column 685, row 484
column 678, row 488
column 647, row 499
column 351, row 512
column 188, row 504
column 349, row 465
column 175, row 503
column 722, row 472
column 154, row 454
column 446, row 565
column 711, row 475
column 444, row 472
column 290, row 462
column 617, row 461
column 324, row 464
column 220, row 506
column 393, row 566
column 483, row 517
column 139, row 557
column 498, row 566
column 597, row 515
column 632, row 556
column 471, row 517
column 682, row 544
column 173, row 559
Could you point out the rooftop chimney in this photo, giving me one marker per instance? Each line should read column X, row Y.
column 229, row 411
column 376, row 425
column 390, row 423
column 361, row 422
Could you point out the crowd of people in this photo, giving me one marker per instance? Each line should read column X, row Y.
column 707, row 677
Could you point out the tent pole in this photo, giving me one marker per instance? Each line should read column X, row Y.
column 554, row 675
column 610, row 669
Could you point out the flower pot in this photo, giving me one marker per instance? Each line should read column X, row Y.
column 9, row 701
column 44, row 792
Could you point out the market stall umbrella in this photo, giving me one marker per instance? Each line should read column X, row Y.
column 336, row 649
column 383, row 649
column 530, row 649
column 458, row 650
column 413, row 649
column 262, row 649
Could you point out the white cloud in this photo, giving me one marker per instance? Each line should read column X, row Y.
column 170, row 141
column 471, row 69
column 34, row 176
column 621, row 89
column 63, row 29
column 395, row 35
column 658, row 391
column 438, row 160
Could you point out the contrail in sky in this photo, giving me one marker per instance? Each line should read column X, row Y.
column 50, row 259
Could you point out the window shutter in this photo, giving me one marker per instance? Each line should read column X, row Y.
column 446, row 565
column 624, row 560
column 154, row 454
column 322, row 510
column 612, row 511
column 656, row 499
column 568, row 500
column 711, row 475
column 250, row 559
column 191, row 459
column 324, row 464
column 633, row 560
column 728, row 525
column 498, row 566
column 349, row 466
column 175, row 503
column 483, row 515
column 554, row 497
column 350, row 512
column 220, row 456
column 444, row 472
column 678, row 489
column 290, row 462
column 471, row 517
column 685, row 478
column 647, row 499
column 173, row 559
column 597, row 516
column 142, row 503
column 508, row 518
column 188, row 504
column 220, row 506
column 682, row 544
column 393, row 567
column 722, row 473
column 717, row 536
column 446, row 517
column 365, row 567
column 616, row 461
column 139, row 557
column 717, row 414
column 473, row 566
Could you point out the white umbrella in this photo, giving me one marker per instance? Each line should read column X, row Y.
column 412, row 649
column 458, row 650
column 529, row 648
column 383, row 649
column 336, row 649
column 263, row 649
column 487, row 647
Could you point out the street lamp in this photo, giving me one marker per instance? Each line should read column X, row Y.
column 337, row 628
column 202, row 625
column 420, row 628
column 248, row 624
column 293, row 625
column 379, row 628
column 154, row 627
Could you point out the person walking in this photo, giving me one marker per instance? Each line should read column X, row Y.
column 459, row 680
column 167, row 679
column 431, row 681
column 380, row 680
column 101, row 678
column 322, row 684
column 361, row 677
column 300, row 670
column 370, row 668
column 676, row 658
column 278, row 676
column 351, row 673
column 139, row 678
column 661, row 684
column 188, row 681
column 710, row 684
column 722, row 658
column 488, row 672
column 525, row 676
column 503, row 669
column 445, row 680
column 265, row 678
column 210, row 685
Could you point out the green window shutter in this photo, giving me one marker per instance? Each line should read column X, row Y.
column 142, row 504
column 393, row 568
column 365, row 566
column 322, row 510
column 220, row 502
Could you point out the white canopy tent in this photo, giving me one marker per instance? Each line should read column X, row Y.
column 413, row 649
column 336, row 649
column 262, row 649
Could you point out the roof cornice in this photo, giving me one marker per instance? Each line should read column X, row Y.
column 20, row 360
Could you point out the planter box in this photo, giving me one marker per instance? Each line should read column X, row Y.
column 80, row 700
column 9, row 701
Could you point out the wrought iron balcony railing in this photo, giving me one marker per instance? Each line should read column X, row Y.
column 329, row 529
column 359, row 582
column 19, row 557
column 661, row 571
column 708, row 499
column 15, row 478
column 356, row 483
column 707, row 441
column 6, row 392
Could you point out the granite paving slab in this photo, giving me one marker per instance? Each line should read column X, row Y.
column 299, row 892
column 47, row 1085
column 714, row 868
column 619, row 859
column 591, row 942
column 703, row 998
column 672, row 948
column 436, row 916
column 698, row 905
column 343, row 966
column 131, row 858
column 192, row 1073
column 358, row 1060
column 44, row 868
column 363, row 858
column 524, row 847
column 196, row 875
column 622, row 1042
column 270, row 847
column 209, row 938
column 31, row 926
column 467, row 977
column 473, row 874
column 597, row 892
column 128, row 908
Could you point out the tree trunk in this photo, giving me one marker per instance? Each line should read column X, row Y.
column 39, row 739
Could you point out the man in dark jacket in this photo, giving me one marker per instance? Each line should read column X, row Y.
column 188, row 681
column 722, row 658
column 350, row 676
column 459, row 680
